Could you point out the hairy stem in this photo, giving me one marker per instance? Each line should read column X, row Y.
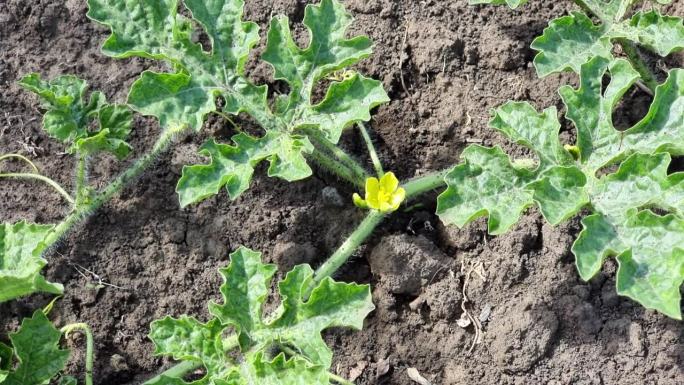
column 342, row 157
column 424, row 184
column 340, row 257
column 181, row 369
column 90, row 347
column 41, row 178
column 371, row 150
column 81, row 179
column 112, row 189
column 20, row 157
column 639, row 64
column 328, row 163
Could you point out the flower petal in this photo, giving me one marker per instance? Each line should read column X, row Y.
column 389, row 182
column 372, row 191
column 398, row 198
column 359, row 202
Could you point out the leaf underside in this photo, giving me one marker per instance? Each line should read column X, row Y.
column 155, row 29
column 20, row 261
column 295, row 326
column 638, row 212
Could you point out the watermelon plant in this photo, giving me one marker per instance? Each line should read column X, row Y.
column 620, row 176
column 284, row 347
column 35, row 356
column 573, row 40
column 294, row 128
column 88, row 125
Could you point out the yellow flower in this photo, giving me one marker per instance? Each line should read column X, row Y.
column 384, row 195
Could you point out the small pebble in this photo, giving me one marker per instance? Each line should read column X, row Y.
column 332, row 197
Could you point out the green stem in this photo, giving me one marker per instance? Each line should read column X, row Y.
column 337, row 168
column 343, row 157
column 639, row 64
column 81, row 179
column 41, row 178
column 177, row 371
column 342, row 381
column 20, row 157
column 90, row 347
column 340, row 257
column 181, row 369
column 82, row 212
column 371, row 150
column 424, row 184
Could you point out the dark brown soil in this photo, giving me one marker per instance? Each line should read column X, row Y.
column 445, row 64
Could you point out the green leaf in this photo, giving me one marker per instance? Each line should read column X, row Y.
column 231, row 38
column 663, row 35
column 188, row 339
column 662, row 129
column 511, row 3
column 560, row 193
column 591, row 108
column 149, row 29
column 487, row 184
column 245, row 288
column 36, row 346
column 571, row 41
column 177, row 100
column 300, row 321
column 157, row 31
column 154, row 29
column 232, row 167
column 622, row 222
column 347, row 101
column 643, row 181
column 568, row 42
column 521, row 123
column 68, row 117
column 20, row 261
column 6, row 354
column 281, row 371
column 295, row 327
column 67, row 114
column 115, row 126
column 648, row 248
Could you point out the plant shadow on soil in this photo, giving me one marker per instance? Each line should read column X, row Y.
column 445, row 64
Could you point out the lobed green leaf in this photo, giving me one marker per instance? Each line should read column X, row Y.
column 36, row 347
column 648, row 249
column 154, row 29
column 623, row 222
column 68, row 117
column 486, row 184
column 232, row 167
column 571, row 41
column 21, row 262
column 295, row 326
